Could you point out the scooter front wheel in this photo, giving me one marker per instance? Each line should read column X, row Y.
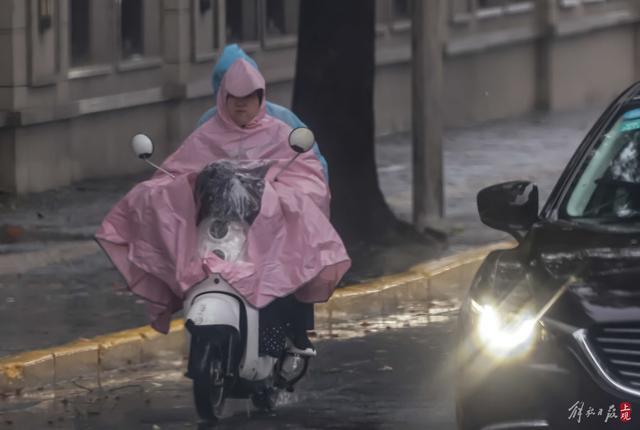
column 265, row 400
column 208, row 390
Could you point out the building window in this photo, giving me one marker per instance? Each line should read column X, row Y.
column 487, row 4
column 573, row 3
column 382, row 17
column 80, row 36
column 45, row 14
column 401, row 10
column 98, row 47
column 460, row 8
column 206, row 35
column 281, row 17
column 205, row 5
column 400, row 14
column 90, row 37
column 495, row 8
column 392, row 16
column 467, row 11
column 132, row 29
column 241, row 20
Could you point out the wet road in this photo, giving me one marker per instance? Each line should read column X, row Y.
column 62, row 302
column 396, row 378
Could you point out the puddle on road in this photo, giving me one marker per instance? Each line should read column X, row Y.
column 417, row 304
column 415, row 314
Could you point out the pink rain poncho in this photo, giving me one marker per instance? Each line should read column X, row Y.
column 150, row 235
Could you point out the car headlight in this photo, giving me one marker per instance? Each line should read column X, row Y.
column 503, row 332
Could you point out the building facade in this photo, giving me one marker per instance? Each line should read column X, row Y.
column 78, row 78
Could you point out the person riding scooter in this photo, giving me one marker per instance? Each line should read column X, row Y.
column 229, row 55
column 292, row 248
column 286, row 312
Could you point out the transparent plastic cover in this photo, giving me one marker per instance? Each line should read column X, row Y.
column 230, row 190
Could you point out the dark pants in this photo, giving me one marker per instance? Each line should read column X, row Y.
column 283, row 317
column 288, row 312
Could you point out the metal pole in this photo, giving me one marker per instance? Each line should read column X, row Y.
column 546, row 16
column 285, row 167
column 159, row 168
column 427, row 81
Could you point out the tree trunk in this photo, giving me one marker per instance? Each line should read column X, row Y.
column 333, row 94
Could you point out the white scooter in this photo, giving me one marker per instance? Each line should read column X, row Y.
column 224, row 360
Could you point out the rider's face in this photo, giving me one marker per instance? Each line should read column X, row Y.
column 243, row 109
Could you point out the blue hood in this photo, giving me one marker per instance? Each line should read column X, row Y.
column 230, row 54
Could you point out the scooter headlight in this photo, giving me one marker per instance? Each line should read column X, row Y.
column 224, row 239
column 218, row 229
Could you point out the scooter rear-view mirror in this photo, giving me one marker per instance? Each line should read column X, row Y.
column 143, row 148
column 301, row 140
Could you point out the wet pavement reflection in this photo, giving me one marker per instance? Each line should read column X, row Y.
column 385, row 371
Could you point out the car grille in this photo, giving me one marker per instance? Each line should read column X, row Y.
column 618, row 348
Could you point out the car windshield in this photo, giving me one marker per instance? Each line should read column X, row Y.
column 608, row 189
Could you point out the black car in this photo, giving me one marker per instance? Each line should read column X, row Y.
column 549, row 333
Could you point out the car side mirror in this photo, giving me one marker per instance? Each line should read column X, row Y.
column 510, row 206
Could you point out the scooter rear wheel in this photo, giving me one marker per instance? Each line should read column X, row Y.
column 208, row 391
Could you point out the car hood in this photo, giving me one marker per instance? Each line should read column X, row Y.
column 600, row 268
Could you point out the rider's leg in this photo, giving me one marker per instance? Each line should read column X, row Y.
column 273, row 329
column 301, row 320
column 290, row 315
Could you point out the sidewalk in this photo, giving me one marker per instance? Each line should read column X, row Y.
column 55, row 286
column 534, row 148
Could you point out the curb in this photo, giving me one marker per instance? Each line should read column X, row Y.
column 88, row 358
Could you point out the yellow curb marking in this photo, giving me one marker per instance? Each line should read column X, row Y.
column 13, row 367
